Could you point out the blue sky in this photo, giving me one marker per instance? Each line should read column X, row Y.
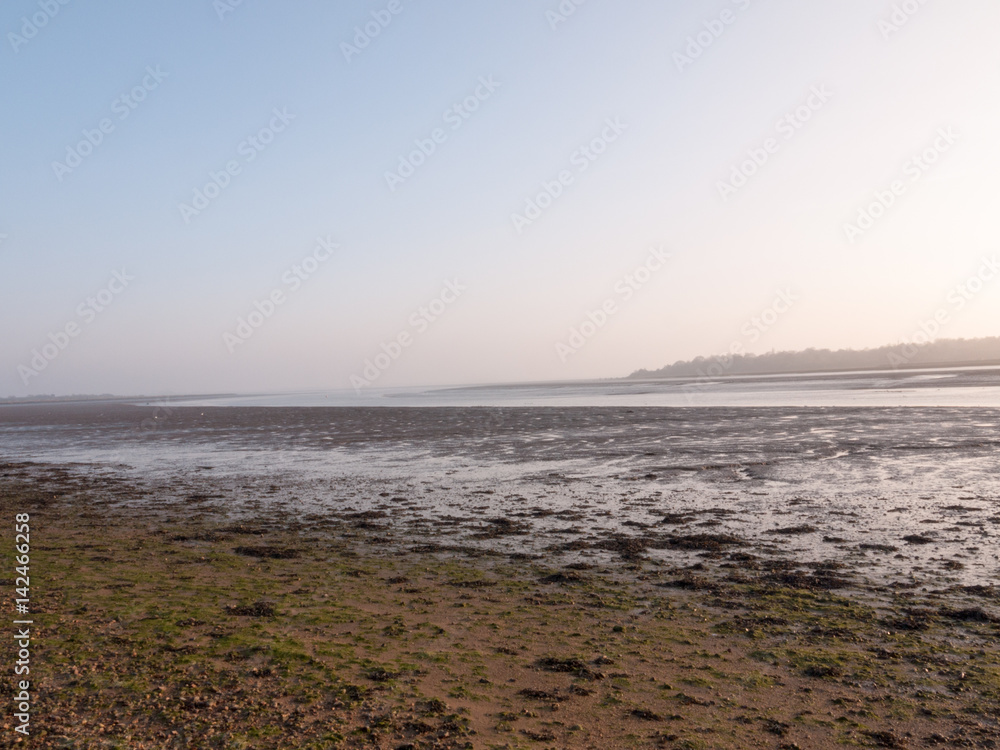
column 527, row 288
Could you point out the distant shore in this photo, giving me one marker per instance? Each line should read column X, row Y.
column 925, row 352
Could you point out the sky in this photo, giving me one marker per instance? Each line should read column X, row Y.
column 206, row 197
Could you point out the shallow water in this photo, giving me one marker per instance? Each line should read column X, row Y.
column 974, row 386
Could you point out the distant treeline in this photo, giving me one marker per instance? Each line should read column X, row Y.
column 943, row 353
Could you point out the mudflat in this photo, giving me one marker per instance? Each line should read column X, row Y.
column 453, row 578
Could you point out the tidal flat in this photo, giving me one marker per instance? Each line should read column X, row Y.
column 523, row 579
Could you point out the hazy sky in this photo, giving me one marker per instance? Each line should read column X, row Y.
column 492, row 175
